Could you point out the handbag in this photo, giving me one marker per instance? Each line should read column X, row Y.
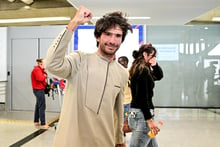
column 126, row 128
column 47, row 88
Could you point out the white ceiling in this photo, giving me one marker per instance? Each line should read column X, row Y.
column 162, row 12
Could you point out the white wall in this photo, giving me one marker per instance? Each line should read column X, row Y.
column 3, row 53
column 3, row 63
column 25, row 44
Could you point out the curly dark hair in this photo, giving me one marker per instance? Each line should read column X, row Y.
column 110, row 20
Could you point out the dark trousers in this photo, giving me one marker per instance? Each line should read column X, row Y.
column 40, row 107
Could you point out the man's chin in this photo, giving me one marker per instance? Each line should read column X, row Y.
column 112, row 52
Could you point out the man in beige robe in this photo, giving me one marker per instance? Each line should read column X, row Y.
column 92, row 109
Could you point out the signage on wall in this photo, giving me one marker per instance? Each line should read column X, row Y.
column 167, row 52
column 84, row 40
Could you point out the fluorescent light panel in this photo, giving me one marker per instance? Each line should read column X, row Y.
column 38, row 19
column 215, row 18
column 27, row 1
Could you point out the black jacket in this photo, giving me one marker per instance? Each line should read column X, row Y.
column 142, row 85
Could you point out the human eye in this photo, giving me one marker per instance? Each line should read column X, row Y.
column 118, row 35
column 107, row 33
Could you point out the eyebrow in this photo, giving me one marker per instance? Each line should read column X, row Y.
column 107, row 32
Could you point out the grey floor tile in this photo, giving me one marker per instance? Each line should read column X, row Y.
column 181, row 128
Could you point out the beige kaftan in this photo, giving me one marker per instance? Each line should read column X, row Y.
column 92, row 109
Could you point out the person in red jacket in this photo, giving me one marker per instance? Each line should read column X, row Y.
column 38, row 80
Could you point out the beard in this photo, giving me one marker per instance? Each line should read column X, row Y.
column 109, row 52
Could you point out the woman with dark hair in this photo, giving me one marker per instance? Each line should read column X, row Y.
column 143, row 72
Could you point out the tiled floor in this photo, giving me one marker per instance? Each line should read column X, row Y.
column 17, row 125
column 181, row 128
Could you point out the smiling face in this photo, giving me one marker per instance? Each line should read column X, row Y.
column 110, row 41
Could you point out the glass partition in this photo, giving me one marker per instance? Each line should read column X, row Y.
column 190, row 58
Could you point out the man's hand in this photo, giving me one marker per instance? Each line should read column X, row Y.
column 82, row 16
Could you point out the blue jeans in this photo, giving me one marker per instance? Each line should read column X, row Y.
column 40, row 107
column 139, row 127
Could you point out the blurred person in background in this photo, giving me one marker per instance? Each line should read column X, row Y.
column 38, row 81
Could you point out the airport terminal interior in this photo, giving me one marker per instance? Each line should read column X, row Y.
column 187, row 99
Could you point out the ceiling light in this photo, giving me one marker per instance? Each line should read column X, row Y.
column 215, row 18
column 27, row 7
column 11, row 1
column 201, row 39
column 34, row 19
column 28, row 2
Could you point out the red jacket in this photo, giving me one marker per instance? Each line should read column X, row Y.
column 38, row 78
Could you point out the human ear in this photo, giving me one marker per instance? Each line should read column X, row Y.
column 97, row 39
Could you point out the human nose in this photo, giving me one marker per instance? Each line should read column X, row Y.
column 112, row 38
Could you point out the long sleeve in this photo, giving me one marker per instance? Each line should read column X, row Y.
column 141, row 88
column 157, row 72
column 55, row 61
column 38, row 78
column 119, row 111
column 118, row 118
